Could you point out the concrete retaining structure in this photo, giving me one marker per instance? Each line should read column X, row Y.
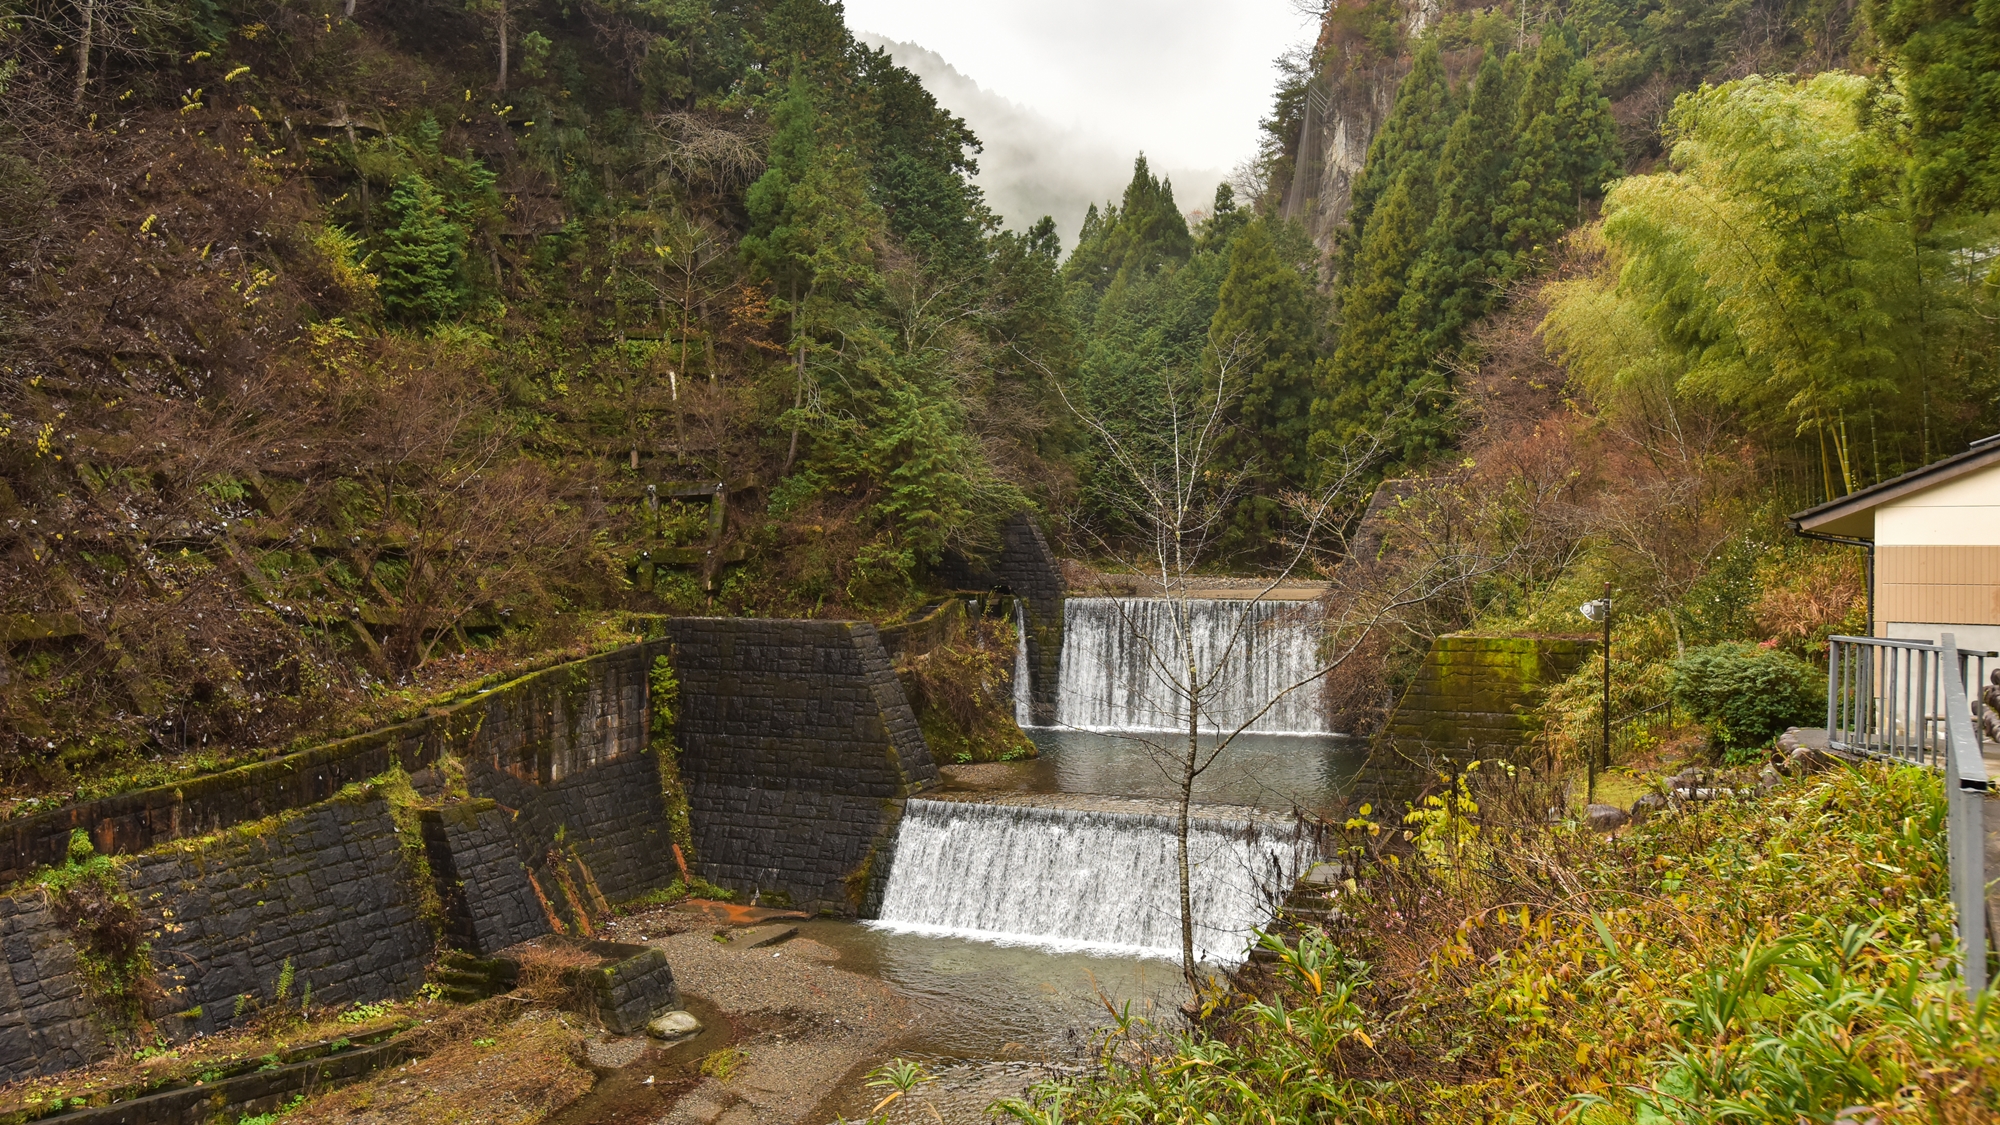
column 541, row 729
column 1025, row 567
column 797, row 747
column 1474, row 697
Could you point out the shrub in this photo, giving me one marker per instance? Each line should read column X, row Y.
column 1746, row 694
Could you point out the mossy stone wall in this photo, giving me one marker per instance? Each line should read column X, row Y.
column 1474, row 697
column 797, row 748
column 540, row 728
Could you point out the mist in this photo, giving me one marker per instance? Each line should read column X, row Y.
column 1032, row 165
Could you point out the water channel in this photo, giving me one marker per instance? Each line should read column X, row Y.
column 1026, row 897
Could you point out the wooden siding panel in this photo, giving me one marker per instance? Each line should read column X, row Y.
column 1950, row 584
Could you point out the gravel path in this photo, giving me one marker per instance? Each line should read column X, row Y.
column 805, row 1028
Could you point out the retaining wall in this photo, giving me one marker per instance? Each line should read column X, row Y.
column 1474, row 697
column 1025, row 567
column 796, row 747
column 541, row 728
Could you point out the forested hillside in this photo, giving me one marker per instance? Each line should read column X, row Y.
column 342, row 340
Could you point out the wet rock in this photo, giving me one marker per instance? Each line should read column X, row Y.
column 673, row 1026
column 1325, row 875
column 1767, row 780
column 1606, row 818
column 1693, row 777
column 1648, row 805
column 757, row 937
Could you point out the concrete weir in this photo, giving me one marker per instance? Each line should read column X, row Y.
column 1090, row 873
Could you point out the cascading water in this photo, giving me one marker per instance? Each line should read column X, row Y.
column 1024, row 689
column 1124, row 664
column 1089, row 880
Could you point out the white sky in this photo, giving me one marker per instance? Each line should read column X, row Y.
column 1184, row 80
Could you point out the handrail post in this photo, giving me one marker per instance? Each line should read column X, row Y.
column 1965, row 786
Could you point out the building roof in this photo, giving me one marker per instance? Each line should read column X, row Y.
column 1853, row 515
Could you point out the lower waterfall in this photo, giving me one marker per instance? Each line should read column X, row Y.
column 1087, row 880
column 1117, row 654
column 1024, row 688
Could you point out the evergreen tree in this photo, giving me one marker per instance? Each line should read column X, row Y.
column 1566, row 152
column 1146, row 232
column 1949, row 55
column 1416, row 129
column 1453, row 282
column 1262, row 336
column 922, row 166
column 810, row 222
column 422, row 250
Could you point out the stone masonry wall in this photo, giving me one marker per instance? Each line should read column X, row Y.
column 45, row 1018
column 327, row 889
column 797, row 747
column 541, row 728
column 1026, row 567
column 489, row 904
column 1473, row 697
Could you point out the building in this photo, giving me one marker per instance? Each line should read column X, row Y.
column 1933, row 538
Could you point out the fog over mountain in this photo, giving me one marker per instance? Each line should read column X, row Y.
column 1033, row 166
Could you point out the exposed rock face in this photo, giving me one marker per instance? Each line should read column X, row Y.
column 1347, row 102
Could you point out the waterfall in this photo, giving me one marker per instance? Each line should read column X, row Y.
column 1024, row 688
column 1122, row 660
column 1099, row 880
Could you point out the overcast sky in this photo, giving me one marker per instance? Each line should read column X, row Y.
column 1184, row 80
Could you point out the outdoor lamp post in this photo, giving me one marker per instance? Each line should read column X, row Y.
column 1600, row 611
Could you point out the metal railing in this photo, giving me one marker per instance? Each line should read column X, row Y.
column 1908, row 701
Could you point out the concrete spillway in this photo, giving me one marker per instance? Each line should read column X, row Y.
column 1088, row 874
column 1124, row 665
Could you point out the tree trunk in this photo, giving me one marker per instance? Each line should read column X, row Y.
column 349, row 13
column 85, row 42
column 502, row 86
column 798, row 380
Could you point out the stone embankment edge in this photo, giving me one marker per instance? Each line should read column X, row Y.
column 261, row 1090
column 130, row 823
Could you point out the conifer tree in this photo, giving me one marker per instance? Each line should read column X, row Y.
column 810, row 222
column 1417, row 126
column 1566, row 151
column 1453, row 281
column 1146, row 232
column 1263, row 335
column 421, row 253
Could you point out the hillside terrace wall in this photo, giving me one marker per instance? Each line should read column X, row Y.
column 1026, row 567
column 542, row 729
column 797, row 748
column 1474, row 697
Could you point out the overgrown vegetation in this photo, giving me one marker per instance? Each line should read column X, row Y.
column 714, row 245
column 1776, row 960
column 103, row 923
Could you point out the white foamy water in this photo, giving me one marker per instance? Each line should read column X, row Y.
column 1024, row 688
column 1090, row 881
column 1124, row 664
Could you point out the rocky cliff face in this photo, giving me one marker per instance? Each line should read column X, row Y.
column 1350, row 96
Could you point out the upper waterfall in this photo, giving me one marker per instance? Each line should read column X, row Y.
column 1124, row 664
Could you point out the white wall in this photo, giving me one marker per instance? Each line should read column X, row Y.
column 1963, row 512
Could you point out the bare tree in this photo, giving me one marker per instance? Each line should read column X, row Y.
column 1178, row 494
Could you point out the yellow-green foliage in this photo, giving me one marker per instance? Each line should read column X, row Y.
column 664, row 696
column 1771, row 961
column 405, row 805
